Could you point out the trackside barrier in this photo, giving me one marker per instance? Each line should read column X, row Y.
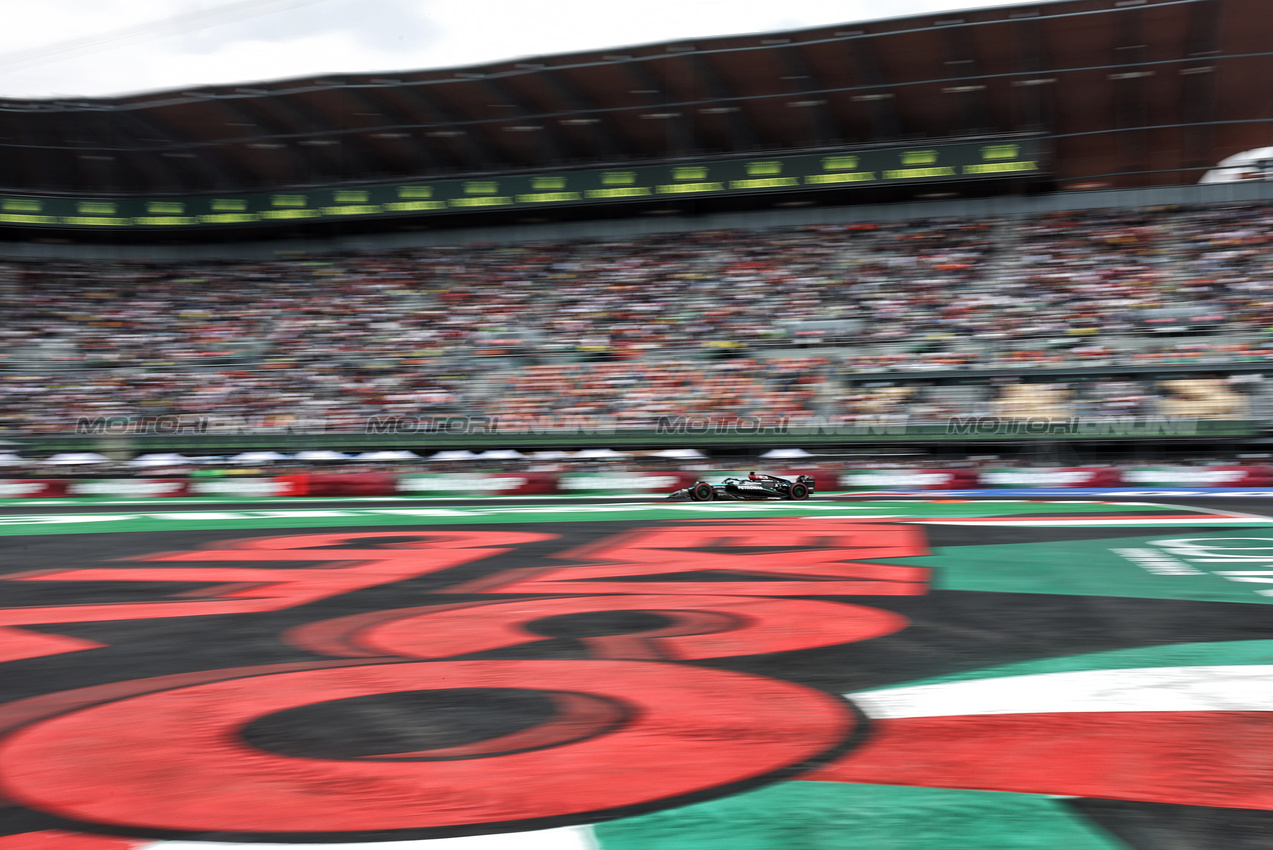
column 1090, row 476
column 907, row 479
column 1199, row 476
column 477, row 484
column 234, row 487
column 128, row 488
column 32, row 488
column 619, row 483
column 345, row 484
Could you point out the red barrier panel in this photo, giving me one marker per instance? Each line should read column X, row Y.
column 32, row 488
column 295, row 484
column 1087, row 476
column 536, row 483
column 128, row 488
column 344, row 484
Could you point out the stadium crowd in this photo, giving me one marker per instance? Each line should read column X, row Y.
column 776, row 322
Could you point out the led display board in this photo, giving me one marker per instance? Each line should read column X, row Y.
column 933, row 163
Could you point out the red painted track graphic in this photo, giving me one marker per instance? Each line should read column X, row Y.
column 457, row 682
column 171, row 760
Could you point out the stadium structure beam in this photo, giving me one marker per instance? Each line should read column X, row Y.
column 260, row 108
column 127, row 163
column 343, row 150
column 59, row 141
column 822, row 120
column 742, row 132
column 29, row 160
column 217, row 171
column 368, row 98
column 881, row 106
column 9, row 164
column 1035, row 88
column 476, row 149
column 961, row 68
column 35, row 151
column 1130, row 80
column 680, row 136
column 609, row 143
column 1198, row 86
column 274, row 135
column 553, row 148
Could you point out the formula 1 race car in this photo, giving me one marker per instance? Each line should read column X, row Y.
column 756, row 487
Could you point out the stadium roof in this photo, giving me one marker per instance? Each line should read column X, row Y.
column 1131, row 92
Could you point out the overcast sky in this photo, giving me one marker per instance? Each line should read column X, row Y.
column 70, row 48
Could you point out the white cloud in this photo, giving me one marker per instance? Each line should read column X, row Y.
column 106, row 47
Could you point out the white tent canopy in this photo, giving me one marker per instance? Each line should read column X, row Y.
column 679, row 454
column 381, row 456
column 599, row 454
column 72, row 458
column 258, row 457
column 10, row 459
column 453, row 454
column 321, row 454
column 501, row 454
column 161, row 459
column 785, row 454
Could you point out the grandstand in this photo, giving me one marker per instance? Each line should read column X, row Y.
column 995, row 214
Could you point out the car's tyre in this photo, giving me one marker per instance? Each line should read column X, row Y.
column 702, row 492
column 799, row 491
